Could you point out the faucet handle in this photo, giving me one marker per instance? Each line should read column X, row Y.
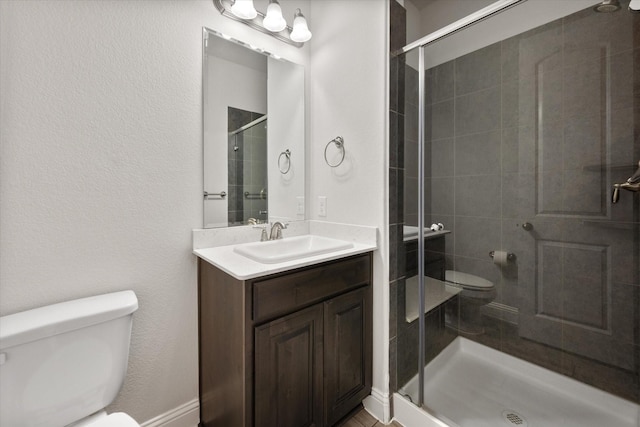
column 276, row 230
column 263, row 234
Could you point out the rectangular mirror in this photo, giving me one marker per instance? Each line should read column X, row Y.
column 253, row 130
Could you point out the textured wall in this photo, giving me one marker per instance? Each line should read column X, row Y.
column 100, row 169
column 348, row 99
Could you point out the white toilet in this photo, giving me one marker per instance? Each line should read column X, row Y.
column 475, row 292
column 62, row 364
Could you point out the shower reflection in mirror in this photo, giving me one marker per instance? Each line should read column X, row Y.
column 247, row 154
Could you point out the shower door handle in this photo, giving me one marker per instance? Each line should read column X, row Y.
column 616, row 193
column 632, row 184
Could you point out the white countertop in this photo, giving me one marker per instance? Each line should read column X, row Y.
column 243, row 268
column 364, row 239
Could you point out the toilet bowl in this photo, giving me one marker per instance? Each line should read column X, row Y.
column 464, row 314
column 62, row 364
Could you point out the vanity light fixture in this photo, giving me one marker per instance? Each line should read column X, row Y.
column 244, row 9
column 300, row 31
column 272, row 23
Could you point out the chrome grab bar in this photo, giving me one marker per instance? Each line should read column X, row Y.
column 209, row 196
column 261, row 195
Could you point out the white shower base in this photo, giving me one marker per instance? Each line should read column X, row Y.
column 471, row 385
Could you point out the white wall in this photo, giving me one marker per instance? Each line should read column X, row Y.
column 100, row 169
column 348, row 98
column 286, row 131
column 441, row 13
column 513, row 21
column 434, row 16
column 414, row 22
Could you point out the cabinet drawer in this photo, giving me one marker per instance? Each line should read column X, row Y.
column 285, row 294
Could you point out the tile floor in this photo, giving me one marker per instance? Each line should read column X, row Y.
column 361, row 418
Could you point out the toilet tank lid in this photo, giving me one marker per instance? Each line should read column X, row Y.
column 50, row 320
column 466, row 279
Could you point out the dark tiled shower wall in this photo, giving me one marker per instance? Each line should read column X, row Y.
column 255, row 172
column 489, row 151
column 397, row 35
column 247, row 170
column 486, row 138
column 526, row 130
column 403, row 209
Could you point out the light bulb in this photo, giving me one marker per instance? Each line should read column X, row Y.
column 244, row 9
column 274, row 21
column 634, row 6
column 300, row 31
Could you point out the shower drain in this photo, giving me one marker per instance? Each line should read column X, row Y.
column 514, row 419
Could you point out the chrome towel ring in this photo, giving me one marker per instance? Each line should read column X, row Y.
column 287, row 155
column 339, row 141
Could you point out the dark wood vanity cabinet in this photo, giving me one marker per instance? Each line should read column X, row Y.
column 288, row 369
column 347, row 353
column 286, row 350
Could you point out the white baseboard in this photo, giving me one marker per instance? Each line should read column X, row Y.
column 378, row 404
column 502, row 312
column 187, row 415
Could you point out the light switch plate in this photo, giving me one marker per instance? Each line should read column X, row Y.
column 300, row 205
column 322, row 205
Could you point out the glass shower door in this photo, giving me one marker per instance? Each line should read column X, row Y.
column 531, row 117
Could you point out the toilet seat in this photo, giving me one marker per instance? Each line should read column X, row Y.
column 477, row 292
column 467, row 281
column 117, row 419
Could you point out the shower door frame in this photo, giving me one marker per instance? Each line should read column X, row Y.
column 420, row 44
column 411, row 409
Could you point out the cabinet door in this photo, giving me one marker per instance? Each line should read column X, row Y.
column 288, row 370
column 347, row 323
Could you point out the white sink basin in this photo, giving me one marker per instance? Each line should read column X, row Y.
column 275, row 251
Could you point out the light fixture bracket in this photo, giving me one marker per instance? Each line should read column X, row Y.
column 224, row 7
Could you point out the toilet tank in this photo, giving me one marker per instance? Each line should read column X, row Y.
column 63, row 362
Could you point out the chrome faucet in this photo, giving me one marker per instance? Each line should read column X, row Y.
column 276, row 230
column 632, row 184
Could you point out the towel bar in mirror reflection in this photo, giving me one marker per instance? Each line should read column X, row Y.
column 210, row 196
